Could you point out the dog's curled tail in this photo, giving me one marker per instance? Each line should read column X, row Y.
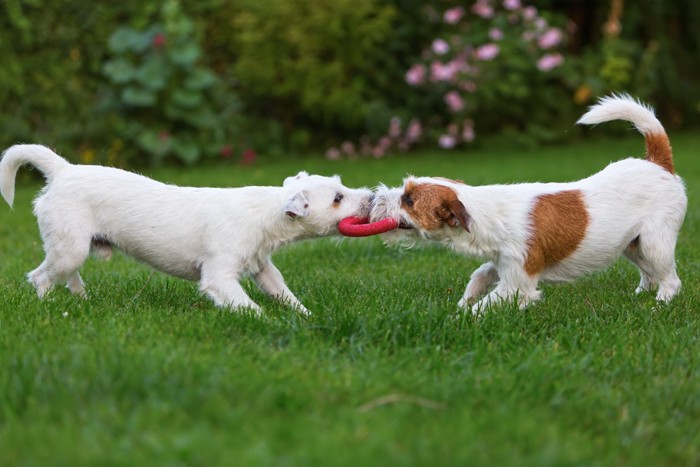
column 623, row 107
column 13, row 158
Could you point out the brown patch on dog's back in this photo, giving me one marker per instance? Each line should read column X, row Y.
column 559, row 222
column 659, row 150
column 431, row 206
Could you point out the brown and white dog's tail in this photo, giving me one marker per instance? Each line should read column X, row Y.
column 623, row 107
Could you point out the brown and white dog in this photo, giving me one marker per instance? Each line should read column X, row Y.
column 554, row 232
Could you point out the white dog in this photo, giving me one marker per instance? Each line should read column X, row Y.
column 555, row 231
column 211, row 235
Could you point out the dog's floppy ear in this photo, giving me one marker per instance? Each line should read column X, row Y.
column 296, row 205
column 298, row 176
column 459, row 215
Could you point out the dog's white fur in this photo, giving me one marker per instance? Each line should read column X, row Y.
column 211, row 235
column 634, row 207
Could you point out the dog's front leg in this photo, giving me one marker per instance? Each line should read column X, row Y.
column 484, row 277
column 220, row 283
column 270, row 280
column 514, row 284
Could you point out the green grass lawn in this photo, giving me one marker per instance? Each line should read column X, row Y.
column 383, row 373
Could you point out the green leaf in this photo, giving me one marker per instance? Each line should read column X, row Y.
column 200, row 78
column 201, row 117
column 138, row 97
column 185, row 55
column 153, row 74
column 119, row 71
column 186, row 149
column 120, row 41
column 187, row 99
column 154, row 144
column 126, row 39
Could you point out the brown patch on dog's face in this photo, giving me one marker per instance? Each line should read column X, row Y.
column 337, row 200
column 431, row 206
column 559, row 222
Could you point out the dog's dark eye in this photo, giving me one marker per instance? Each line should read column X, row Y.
column 407, row 200
column 338, row 198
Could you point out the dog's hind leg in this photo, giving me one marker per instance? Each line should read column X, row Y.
column 270, row 280
column 66, row 235
column 76, row 285
column 654, row 255
column 219, row 282
column 660, row 254
column 63, row 260
column 40, row 280
column 634, row 254
column 64, row 257
column 481, row 279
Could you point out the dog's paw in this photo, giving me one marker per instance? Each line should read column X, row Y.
column 472, row 305
column 251, row 308
column 254, row 309
column 479, row 308
column 468, row 300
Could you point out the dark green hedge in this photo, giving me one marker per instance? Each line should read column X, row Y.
column 303, row 74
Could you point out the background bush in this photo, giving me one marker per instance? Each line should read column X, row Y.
column 310, row 65
column 171, row 105
column 298, row 76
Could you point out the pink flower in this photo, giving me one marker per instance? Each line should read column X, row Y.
column 414, row 131
column 416, row 74
column 395, row 127
column 440, row 72
column 529, row 13
column 483, row 9
column 332, row 154
column 469, row 86
column 447, row 141
column 549, row 61
column 468, row 134
column 551, row 38
column 487, row 52
column 528, row 36
column 540, row 23
column 347, row 148
column 495, row 34
column 453, row 15
column 511, row 4
column 440, row 47
column 384, row 143
column 454, row 101
column 377, row 152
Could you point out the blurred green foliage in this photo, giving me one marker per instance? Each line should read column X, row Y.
column 297, row 57
column 286, row 76
column 170, row 103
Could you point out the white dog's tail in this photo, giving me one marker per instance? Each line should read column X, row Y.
column 39, row 156
column 623, row 107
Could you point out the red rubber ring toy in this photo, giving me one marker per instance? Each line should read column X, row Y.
column 360, row 226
